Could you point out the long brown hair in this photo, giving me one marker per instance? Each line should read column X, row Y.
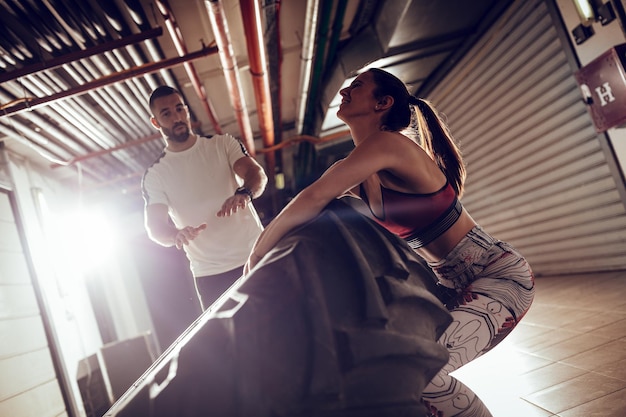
column 434, row 134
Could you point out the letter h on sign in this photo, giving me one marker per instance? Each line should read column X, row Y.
column 605, row 94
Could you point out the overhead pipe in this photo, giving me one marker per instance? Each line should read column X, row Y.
column 181, row 48
column 75, row 56
column 81, row 115
column 79, row 125
column 306, row 157
column 109, row 96
column 306, row 58
column 251, row 15
column 21, row 138
column 64, row 147
column 35, row 86
column 307, row 138
column 231, row 71
column 40, row 121
column 61, row 144
column 137, row 14
column 101, row 152
column 336, row 31
column 82, row 75
column 136, row 142
column 318, row 65
column 273, row 48
column 54, row 84
column 156, row 56
column 78, row 112
column 38, row 139
column 33, row 103
column 138, row 85
column 128, row 103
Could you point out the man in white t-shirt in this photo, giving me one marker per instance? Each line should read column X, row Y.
column 198, row 196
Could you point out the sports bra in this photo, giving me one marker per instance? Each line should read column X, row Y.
column 417, row 218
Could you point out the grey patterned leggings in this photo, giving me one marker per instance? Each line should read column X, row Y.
column 492, row 287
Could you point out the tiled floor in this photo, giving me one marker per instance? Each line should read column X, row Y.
column 566, row 358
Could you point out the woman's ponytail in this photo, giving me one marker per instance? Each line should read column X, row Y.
column 437, row 141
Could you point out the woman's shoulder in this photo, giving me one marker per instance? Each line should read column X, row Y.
column 392, row 142
column 387, row 136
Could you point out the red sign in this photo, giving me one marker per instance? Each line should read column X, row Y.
column 603, row 85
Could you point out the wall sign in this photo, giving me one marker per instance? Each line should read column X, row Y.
column 603, row 86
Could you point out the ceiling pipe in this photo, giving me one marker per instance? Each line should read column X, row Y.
column 251, row 15
column 124, row 145
column 138, row 16
column 81, row 126
column 136, row 84
column 142, row 141
column 231, row 70
column 321, row 43
column 123, row 98
column 35, row 141
column 307, row 138
column 181, row 48
column 38, row 139
column 58, row 142
column 74, row 56
column 273, row 48
column 306, row 67
column 336, row 32
column 36, row 85
column 306, row 163
column 21, row 138
column 82, row 75
column 81, row 114
column 32, row 103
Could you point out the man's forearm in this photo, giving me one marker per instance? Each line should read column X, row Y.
column 255, row 182
column 164, row 235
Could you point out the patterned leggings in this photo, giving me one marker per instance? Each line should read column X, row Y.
column 492, row 287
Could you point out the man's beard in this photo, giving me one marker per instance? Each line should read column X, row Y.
column 176, row 137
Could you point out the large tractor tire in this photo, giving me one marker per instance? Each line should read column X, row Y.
column 338, row 320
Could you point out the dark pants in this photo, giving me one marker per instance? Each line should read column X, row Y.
column 210, row 287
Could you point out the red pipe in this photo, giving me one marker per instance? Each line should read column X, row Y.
column 75, row 56
column 231, row 72
column 179, row 43
column 251, row 16
column 32, row 103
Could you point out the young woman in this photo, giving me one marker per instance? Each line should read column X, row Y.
column 413, row 190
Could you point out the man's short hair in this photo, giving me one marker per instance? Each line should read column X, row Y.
column 161, row 91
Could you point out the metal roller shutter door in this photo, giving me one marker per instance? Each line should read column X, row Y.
column 538, row 176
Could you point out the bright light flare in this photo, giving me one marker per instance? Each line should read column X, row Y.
column 83, row 239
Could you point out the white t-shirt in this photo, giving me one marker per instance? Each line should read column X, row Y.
column 194, row 184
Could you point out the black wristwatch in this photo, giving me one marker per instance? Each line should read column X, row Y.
column 244, row 190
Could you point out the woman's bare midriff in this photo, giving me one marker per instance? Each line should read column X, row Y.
column 440, row 247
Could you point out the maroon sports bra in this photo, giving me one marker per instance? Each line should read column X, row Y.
column 417, row 218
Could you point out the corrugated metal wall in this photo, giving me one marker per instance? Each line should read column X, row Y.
column 538, row 176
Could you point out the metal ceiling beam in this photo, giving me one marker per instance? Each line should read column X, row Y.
column 33, row 103
column 75, row 56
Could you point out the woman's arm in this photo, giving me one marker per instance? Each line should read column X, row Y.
column 364, row 161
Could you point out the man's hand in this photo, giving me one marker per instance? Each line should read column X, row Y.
column 186, row 234
column 233, row 204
